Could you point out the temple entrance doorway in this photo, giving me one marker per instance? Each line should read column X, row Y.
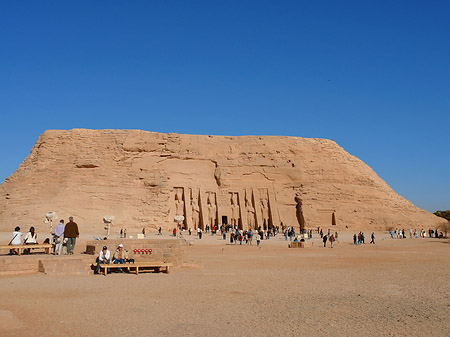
column 224, row 220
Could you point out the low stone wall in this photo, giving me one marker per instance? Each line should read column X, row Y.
column 16, row 265
column 165, row 250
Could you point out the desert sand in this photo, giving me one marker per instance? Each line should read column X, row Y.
column 393, row 288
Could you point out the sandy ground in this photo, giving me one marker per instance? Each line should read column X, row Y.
column 393, row 288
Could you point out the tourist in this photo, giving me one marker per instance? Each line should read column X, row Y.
column 416, row 235
column 121, row 233
column 240, row 238
column 372, row 237
column 332, row 239
column 325, row 238
column 258, row 239
column 321, row 233
column 190, row 231
column 120, row 256
column 354, row 239
column 200, row 233
column 143, row 231
column 71, row 233
column 231, row 237
column 30, row 239
column 159, row 231
column 125, row 233
column 224, row 235
column 391, row 232
column 59, row 237
column 174, row 232
column 16, row 240
column 103, row 257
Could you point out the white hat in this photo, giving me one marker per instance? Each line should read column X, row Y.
column 121, row 245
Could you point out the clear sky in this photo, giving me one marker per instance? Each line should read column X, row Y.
column 372, row 75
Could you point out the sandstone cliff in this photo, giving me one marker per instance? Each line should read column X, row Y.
column 145, row 179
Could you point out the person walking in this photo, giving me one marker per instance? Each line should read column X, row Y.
column 325, row 238
column 372, row 237
column 71, row 233
column 332, row 239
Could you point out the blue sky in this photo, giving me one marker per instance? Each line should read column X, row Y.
column 372, row 75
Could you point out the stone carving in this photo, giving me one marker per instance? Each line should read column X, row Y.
column 250, row 213
column 142, row 170
column 212, row 209
column 265, row 212
column 195, row 211
column 234, row 209
column 299, row 212
column 179, row 203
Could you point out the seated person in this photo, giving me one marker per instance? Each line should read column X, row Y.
column 16, row 240
column 30, row 239
column 103, row 257
column 120, row 256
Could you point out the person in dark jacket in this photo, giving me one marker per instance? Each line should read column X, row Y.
column 325, row 238
column 71, row 233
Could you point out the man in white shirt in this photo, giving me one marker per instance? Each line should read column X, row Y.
column 59, row 237
column 103, row 257
column 16, row 239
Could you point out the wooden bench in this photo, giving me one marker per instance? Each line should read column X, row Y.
column 158, row 266
column 46, row 246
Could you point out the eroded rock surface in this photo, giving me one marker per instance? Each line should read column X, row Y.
column 145, row 179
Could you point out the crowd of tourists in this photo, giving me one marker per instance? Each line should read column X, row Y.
column 402, row 234
column 360, row 238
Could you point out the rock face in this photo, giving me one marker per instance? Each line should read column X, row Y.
column 146, row 179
